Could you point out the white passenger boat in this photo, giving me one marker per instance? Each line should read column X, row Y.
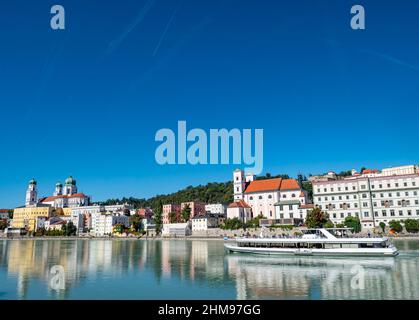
column 319, row 242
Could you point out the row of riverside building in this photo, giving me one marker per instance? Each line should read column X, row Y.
column 68, row 205
column 373, row 196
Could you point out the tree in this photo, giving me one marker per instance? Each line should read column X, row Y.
column 396, row 225
column 307, row 186
column 316, row 218
column 186, row 213
column 157, row 209
column 69, row 229
column 411, row 225
column 254, row 223
column 329, row 224
column 10, row 213
column 354, row 223
column 135, row 222
column 173, row 217
column 383, row 226
column 118, row 228
column 233, row 224
column 3, row 224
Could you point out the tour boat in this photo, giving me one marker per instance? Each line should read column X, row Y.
column 316, row 242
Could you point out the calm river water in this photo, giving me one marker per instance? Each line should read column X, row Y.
column 164, row 269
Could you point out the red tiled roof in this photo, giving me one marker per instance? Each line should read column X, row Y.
column 290, row 184
column 264, row 185
column 365, row 171
column 4, row 210
column 307, row 206
column 239, row 204
column 52, row 198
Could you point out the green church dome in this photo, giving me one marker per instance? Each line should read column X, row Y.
column 70, row 181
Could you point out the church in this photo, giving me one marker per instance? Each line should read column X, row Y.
column 65, row 196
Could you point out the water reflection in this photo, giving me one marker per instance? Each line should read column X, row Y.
column 193, row 270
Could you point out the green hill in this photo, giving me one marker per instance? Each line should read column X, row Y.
column 213, row 192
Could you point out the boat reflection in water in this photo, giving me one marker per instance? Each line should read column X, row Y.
column 280, row 277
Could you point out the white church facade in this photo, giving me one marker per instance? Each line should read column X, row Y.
column 65, row 196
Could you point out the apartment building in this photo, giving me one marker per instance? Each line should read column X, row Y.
column 372, row 195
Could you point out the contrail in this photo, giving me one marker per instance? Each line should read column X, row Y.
column 164, row 32
column 391, row 59
column 140, row 17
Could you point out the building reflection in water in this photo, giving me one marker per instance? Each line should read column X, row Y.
column 204, row 263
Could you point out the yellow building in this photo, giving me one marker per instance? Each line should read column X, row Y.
column 25, row 217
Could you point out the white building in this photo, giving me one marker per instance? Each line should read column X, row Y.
column 204, row 222
column 64, row 196
column 373, row 196
column 264, row 195
column 239, row 209
column 103, row 223
column 216, row 208
column 177, row 229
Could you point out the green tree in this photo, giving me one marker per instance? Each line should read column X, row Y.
column 411, row 225
column 306, row 185
column 118, row 228
column 135, row 222
column 254, row 223
column 232, row 224
column 3, row 224
column 157, row 209
column 383, row 226
column 173, row 217
column 316, row 218
column 329, row 224
column 354, row 223
column 395, row 225
column 69, row 229
column 186, row 213
column 10, row 213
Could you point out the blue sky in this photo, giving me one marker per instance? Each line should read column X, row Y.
column 87, row 101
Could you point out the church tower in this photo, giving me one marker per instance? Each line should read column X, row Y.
column 31, row 194
column 58, row 189
column 70, row 187
column 239, row 184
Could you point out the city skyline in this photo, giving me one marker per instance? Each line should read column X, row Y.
column 87, row 101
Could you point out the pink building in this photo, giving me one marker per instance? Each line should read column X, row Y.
column 146, row 213
column 196, row 207
column 167, row 209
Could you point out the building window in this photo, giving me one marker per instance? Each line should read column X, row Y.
column 376, row 213
column 405, row 184
column 392, row 213
column 340, row 197
column 325, row 190
column 388, row 185
column 400, row 212
column 366, row 214
column 363, row 186
column 260, row 197
column 409, row 212
column 281, row 208
column 384, row 212
column 334, row 215
column 331, row 189
column 290, row 207
column 417, row 212
column 284, row 196
column 342, row 215
column 293, row 195
column 270, row 196
column 250, row 198
column 372, row 186
column 397, row 185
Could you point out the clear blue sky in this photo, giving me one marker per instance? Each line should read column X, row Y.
column 87, row 101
